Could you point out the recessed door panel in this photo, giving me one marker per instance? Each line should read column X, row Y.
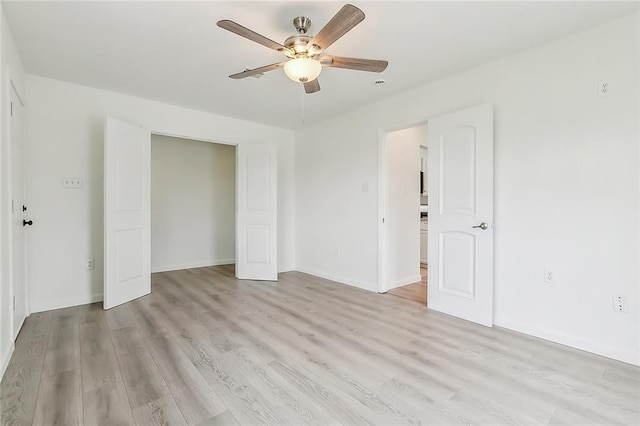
column 129, row 252
column 258, row 191
column 129, row 186
column 458, row 264
column 258, row 243
column 457, row 169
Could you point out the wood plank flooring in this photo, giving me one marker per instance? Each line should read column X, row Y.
column 207, row 349
column 416, row 291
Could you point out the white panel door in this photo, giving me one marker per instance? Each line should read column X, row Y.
column 19, row 218
column 460, row 167
column 127, row 222
column 256, row 213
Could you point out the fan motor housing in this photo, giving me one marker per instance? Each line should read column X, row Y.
column 298, row 43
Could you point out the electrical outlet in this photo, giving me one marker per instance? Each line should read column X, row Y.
column 548, row 276
column 90, row 263
column 620, row 304
column 603, row 88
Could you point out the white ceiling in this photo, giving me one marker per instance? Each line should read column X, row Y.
column 174, row 52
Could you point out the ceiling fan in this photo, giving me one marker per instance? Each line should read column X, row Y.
column 304, row 62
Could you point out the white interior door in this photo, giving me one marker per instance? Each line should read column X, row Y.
column 460, row 167
column 256, row 212
column 127, row 221
column 18, row 206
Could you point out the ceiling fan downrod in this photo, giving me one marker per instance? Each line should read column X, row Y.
column 301, row 24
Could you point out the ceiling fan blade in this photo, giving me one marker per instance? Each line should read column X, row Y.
column 343, row 21
column 236, row 28
column 312, row 86
column 261, row 70
column 371, row 65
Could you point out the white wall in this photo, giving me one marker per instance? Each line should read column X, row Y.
column 65, row 138
column 402, row 159
column 11, row 72
column 193, row 187
column 566, row 185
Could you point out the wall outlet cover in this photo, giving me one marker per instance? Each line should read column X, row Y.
column 548, row 276
column 620, row 304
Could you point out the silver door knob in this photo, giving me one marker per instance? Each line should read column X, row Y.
column 484, row 226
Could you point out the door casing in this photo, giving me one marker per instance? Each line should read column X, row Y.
column 18, row 272
column 382, row 203
column 383, row 182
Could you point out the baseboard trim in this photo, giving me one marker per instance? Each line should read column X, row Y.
column 50, row 305
column 6, row 357
column 190, row 265
column 19, row 328
column 286, row 269
column 564, row 339
column 403, row 282
column 335, row 278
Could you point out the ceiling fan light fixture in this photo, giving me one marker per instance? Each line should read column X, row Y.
column 302, row 69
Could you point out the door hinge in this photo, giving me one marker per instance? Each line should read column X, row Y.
column 14, row 303
column 11, row 109
column 383, row 220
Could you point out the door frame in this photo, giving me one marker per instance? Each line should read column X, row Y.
column 25, row 274
column 382, row 200
column 7, row 167
column 201, row 139
column 236, row 145
column 195, row 139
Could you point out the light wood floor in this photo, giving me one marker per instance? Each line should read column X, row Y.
column 204, row 348
column 416, row 291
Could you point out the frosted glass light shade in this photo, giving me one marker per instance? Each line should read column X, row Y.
column 302, row 69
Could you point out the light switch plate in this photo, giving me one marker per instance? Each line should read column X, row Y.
column 72, row 183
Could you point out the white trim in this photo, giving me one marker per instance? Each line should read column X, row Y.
column 286, row 269
column 20, row 328
column 382, row 210
column 6, row 357
column 637, row 362
column 15, row 89
column 334, row 278
column 190, row 265
column 405, row 281
column 50, row 305
column 25, row 265
column 568, row 340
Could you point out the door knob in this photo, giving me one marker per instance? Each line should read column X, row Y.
column 27, row 222
column 484, row 226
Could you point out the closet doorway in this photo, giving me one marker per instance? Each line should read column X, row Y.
column 193, row 198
